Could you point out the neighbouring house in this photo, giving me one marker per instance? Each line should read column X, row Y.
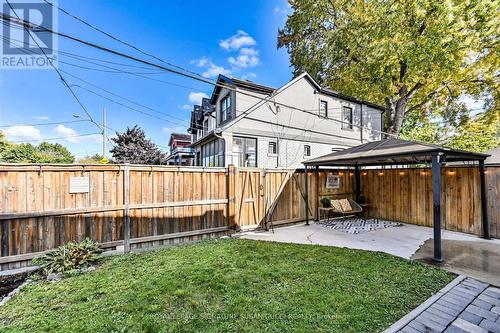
column 252, row 125
column 181, row 152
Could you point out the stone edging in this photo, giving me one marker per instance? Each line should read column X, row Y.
column 397, row 326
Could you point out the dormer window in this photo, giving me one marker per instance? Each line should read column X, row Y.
column 347, row 117
column 323, row 109
column 225, row 108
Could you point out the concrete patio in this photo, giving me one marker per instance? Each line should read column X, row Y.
column 463, row 254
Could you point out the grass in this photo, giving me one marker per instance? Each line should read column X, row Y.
column 229, row 285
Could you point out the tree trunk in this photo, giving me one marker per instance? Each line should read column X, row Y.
column 396, row 108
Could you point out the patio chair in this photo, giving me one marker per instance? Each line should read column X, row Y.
column 343, row 208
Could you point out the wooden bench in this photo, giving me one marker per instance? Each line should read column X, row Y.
column 341, row 209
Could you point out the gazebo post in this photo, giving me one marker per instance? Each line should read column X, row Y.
column 484, row 205
column 306, row 194
column 436, row 195
column 316, row 194
column 357, row 183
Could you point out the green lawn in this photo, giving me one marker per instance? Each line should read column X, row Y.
column 229, row 285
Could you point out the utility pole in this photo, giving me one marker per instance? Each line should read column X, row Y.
column 104, row 132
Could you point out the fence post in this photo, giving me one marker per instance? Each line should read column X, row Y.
column 126, row 210
column 484, row 203
column 316, row 193
column 263, row 198
column 231, row 199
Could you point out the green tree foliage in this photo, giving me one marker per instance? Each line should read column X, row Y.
column 132, row 146
column 412, row 56
column 478, row 134
column 27, row 153
column 93, row 159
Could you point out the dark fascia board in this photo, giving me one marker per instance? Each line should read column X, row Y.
column 245, row 85
column 454, row 156
column 332, row 93
column 211, row 135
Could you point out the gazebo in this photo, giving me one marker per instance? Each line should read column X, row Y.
column 390, row 152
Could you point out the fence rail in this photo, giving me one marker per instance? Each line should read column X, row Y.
column 137, row 206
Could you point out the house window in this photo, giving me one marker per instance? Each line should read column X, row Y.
column 323, row 109
column 307, row 150
column 213, row 153
column 273, row 148
column 347, row 117
column 205, row 126
column 225, row 108
column 245, row 152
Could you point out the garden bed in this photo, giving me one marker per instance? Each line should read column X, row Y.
column 229, row 285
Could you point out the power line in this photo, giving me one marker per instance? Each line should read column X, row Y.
column 54, row 67
column 120, row 40
column 121, row 104
column 197, row 78
column 114, row 94
column 59, row 138
column 46, row 124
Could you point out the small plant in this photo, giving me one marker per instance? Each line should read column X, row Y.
column 72, row 256
column 326, row 203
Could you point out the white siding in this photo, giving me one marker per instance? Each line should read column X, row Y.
column 263, row 122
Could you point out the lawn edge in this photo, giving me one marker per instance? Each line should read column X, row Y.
column 397, row 326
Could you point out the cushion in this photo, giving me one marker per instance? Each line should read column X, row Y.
column 346, row 206
column 336, row 205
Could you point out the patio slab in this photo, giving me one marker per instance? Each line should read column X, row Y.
column 463, row 254
column 402, row 241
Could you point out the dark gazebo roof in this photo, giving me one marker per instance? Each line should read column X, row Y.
column 392, row 151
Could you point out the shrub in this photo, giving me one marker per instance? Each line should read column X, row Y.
column 326, row 202
column 72, row 256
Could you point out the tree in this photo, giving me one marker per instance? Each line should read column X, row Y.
column 43, row 153
column 412, row 56
column 132, row 146
column 479, row 133
column 3, row 144
column 20, row 153
column 53, row 153
column 94, row 159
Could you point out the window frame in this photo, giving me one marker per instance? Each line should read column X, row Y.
column 244, row 152
column 321, row 102
column 307, row 150
column 347, row 125
column 274, row 150
column 226, row 113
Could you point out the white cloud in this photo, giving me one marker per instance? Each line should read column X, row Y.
column 211, row 69
column 22, row 133
column 186, row 107
column 42, row 117
column 247, row 57
column 237, row 41
column 202, row 62
column 214, row 70
column 64, row 131
column 195, row 97
column 249, row 76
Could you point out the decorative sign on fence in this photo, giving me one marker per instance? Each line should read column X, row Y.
column 332, row 181
column 79, row 185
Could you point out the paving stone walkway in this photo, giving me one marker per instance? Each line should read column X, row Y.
column 469, row 306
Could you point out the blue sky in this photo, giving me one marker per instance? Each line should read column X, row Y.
column 233, row 37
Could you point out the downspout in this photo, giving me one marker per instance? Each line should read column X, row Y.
column 361, row 123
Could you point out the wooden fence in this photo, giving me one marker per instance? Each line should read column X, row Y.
column 139, row 206
column 405, row 195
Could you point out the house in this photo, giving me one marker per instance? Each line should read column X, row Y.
column 252, row 125
column 180, row 151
